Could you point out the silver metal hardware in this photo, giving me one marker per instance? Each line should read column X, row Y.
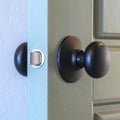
column 36, row 58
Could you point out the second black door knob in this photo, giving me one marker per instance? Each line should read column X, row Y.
column 20, row 59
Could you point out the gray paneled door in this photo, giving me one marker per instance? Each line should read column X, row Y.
column 90, row 20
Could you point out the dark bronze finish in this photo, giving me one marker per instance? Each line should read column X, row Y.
column 71, row 59
column 20, row 59
column 66, row 59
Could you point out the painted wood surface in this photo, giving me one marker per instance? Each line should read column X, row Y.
column 38, row 78
column 68, row 101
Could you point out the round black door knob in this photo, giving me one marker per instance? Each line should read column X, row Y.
column 20, row 59
column 71, row 59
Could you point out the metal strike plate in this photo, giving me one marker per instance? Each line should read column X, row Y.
column 36, row 58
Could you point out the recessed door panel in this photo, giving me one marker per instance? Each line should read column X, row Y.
column 107, row 88
column 106, row 28
column 109, row 115
column 107, row 19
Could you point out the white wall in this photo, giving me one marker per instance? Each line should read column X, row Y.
column 13, row 86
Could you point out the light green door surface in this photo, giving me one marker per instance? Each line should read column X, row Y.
column 38, row 77
column 50, row 97
column 68, row 101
